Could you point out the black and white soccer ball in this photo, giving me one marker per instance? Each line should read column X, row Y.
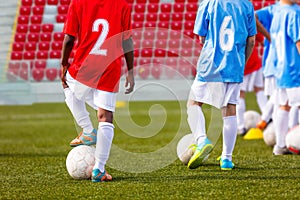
column 293, row 140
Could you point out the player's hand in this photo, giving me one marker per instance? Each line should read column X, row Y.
column 64, row 70
column 129, row 85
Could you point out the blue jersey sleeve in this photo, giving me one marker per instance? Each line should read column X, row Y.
column 251, row 22
column 265, row 16
column 202, row 19
column 294, row 27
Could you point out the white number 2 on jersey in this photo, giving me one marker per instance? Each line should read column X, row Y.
column 105, row 28
column 226, row 33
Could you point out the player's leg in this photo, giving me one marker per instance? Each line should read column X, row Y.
column 106, row 102
column 258, row 83
column 229, row 127
column 240, row 110
column 294, row 102
column 293, row 117
column 281, row 125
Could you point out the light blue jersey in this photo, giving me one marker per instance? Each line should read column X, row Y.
column 226, row 24
column 285, row 32
column 265, row 16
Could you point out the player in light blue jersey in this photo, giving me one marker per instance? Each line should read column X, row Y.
column 285, row 37
column 227, row 29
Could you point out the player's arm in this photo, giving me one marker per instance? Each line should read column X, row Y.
column 67, row 47
column 249, row 47
column 202, row 39
column 298, row 46
column 262, row 29
column 129, row 56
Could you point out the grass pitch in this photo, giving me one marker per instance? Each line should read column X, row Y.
column 35, row 142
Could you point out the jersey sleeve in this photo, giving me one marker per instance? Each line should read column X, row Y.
column 294, row 27
column 126, row 24
column 71, row 25
column 202, row 20
column 251, row 22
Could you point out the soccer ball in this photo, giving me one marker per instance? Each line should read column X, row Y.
column 80, row 162
column 185, row 153
column 251, row 117
column 293, row 140
column 269, row 135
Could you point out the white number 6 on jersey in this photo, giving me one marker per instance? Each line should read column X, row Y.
column 228, row 33
column 97, row 47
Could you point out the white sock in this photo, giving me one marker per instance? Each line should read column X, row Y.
column 78, row 110
column 293, row 117
column 229, row 136
column 281, row 127
column 240, row 110
column 105, row 137
column 267, row 112
column 196, row 122
column 261, row 99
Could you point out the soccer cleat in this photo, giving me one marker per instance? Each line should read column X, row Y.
column 98, row 176
column 262, row 124
column 280, row 151
column 226, row 164
column 202, row 151
column 85, row 139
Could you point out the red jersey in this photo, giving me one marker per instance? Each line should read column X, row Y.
column 100, row 27
column 255, row 61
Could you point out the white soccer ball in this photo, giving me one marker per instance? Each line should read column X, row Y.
column 80, row 162
column 269, row 135
column 185, row 153
column 251, row 117
column 293, row 140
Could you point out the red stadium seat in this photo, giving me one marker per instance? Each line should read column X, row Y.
column 147, row 44
column 161, row 44
column 179, row 1
column 137, row 25
column 156, row 71
column 42, row 54
column 192, row 7
column 30, row 46
column 146, row 52
column 37, row 74
column 144, row 61
column 139, row 8
column 57, row 36
column 189, row 25
column 190, row 16
column 63, row 9
column 33, row 37
column 29, row 55
column 151, row 17
column 184, row 68
column 65, row 2
column 152, row 8
column 164, row 25
column 18, row 46
column 160, row 53
column 35, row 28
column 137, row 44
column 25, row 10
column 22, row 28
column 171, row 67
column 177, row 17
column 186, row 52
column 23, row 19
column 189, row 33
column 23, row 73
column 192, row 1
column 176, row 25
column 26, row 2
column 39, row 2
column 162, row 35
column 138, row 17
column 55, row 54
column 137, row 35
column 178, row 7
column 45, row 37
column 140, row 1
column 52, row 2
column 36, row 19
column 187, row 43
column 44, row 46
column 149, row 35
column 166, row 7
column 173, row 44
column 40, row 64
column 56, row 46
column 164, row 17
column 38, row 10
column 61, row 18
column 175, row 34
column 20, row 37
column 150, row 24
column 51, row 74
column 47, row 27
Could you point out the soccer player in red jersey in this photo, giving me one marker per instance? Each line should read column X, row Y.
column 253, row 81
column 103, row 32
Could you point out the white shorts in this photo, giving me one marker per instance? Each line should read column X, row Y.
column 290, row 95
column 217, row 94
column 95, row 98
column 270, row 85
column 255, row 79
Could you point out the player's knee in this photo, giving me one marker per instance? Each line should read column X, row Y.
column 193, row 103
column 105, row 116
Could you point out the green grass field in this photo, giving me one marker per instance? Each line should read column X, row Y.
column 35, row 142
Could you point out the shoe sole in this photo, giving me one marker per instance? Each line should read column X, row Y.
column 197, row 160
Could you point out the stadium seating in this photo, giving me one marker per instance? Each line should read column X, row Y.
column 162, row 33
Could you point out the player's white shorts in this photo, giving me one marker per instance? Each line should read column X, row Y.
column 270, row 85
column 95, row 98
column 290, row 95
column 217, row 94
column 254, row 79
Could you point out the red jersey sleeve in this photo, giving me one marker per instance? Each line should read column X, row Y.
column 126, row 23
column 71, row 25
